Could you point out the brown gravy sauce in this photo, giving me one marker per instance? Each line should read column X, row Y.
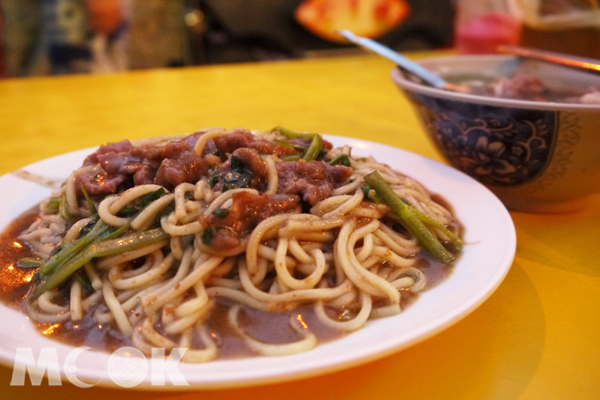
column 269, row 327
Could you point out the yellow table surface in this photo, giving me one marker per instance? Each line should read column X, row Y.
column 536, row 337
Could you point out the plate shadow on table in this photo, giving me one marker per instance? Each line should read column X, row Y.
column 476, row 358
column 561, row 241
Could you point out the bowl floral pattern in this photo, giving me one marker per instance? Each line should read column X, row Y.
column 498, row 146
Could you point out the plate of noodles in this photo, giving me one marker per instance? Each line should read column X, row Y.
column 239, row 258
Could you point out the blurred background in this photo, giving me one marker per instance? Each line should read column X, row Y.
column 53, row 37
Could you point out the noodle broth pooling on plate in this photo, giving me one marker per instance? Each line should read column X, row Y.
column 153, row 238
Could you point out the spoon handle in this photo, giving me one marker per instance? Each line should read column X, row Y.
column 403, row 62
column 586, row 64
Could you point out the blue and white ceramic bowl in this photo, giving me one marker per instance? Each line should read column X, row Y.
column 535, row 156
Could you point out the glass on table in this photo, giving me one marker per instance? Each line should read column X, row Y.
column 483, row 25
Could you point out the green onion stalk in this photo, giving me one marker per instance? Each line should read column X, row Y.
column 415, row 221
column 99, row 241
column 100, row 248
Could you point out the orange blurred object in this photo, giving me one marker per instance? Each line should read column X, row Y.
column 369, row 18
column 105, row 16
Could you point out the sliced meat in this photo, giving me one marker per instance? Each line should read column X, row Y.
column 313, row 181
column 521, row 86
column 119, row 166
column 233, row 141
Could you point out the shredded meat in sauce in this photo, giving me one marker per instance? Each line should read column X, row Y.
column 119, row 166
column 236, row 161
column 527, row 86
column 521, row 86
column 314, row 180
column 246, row 212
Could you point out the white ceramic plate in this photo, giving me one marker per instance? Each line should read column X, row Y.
column 490, row 247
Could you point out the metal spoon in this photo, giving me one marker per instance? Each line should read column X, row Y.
column 586, row 64
column 404, row 63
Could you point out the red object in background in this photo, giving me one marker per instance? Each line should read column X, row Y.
column 369, row 18
column 485, row 33
column 105, row 16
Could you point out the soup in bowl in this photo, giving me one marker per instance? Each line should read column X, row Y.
column 528, row 130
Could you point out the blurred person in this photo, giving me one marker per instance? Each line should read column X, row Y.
column 108, row 21
column 93, row 36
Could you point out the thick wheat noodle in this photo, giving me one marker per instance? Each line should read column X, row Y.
column 75, row 229
column 380, row 285
column 268, row 254
column 329, row 204
column 115, row 308
column 396, row 242
column 223, row 282
column 130, row 195
column 126, row 295
column 321, row 237
column 209, row 135
column 362, row 278
column 256, row 237
column 71, row 195
column 46, row 304
column 75, row 300
column 367, row 212
column 91, row 300
column 177, row 247
column 263, row 269
column 153, row 337
column 296, row 227
column 292, row 296
column 41, row 316
column 347, row 206
column 298, row 252
column 371, row 261
column 136, row 299
column 386, row 311
column 203, row 191
column 138, row 340
column 221, row 199
column 195, row 304
column 180, row 200
column 154, row 258
column 363, row 252
column 392, row 257
column 225, row 267
column 308, row 341
column 145, row 218
column 284, row 274
column 351, row 325
column 349, row 188
column 108, row 217
column 208, row 353
column 180, row 230
column 156, row 270
column 182, row 323
column 272, row 177
column 199, row 272
column 182, row 271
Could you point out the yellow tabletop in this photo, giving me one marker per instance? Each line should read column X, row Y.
column 536, row 337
